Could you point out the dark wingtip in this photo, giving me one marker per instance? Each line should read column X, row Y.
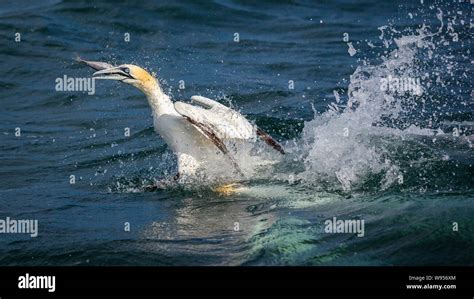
column 270, row 141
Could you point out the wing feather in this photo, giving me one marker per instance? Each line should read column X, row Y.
column 217, row 142
column 221, row 122
column 225, row 122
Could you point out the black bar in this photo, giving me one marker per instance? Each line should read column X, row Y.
column 295, row 282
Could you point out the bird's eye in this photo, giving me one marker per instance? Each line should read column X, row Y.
column 126, row 70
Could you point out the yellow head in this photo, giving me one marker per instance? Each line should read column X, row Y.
column 131, row 74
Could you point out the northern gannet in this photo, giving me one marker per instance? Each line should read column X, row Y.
column 196, row 134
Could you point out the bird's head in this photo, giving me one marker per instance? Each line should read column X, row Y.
column 127, row 73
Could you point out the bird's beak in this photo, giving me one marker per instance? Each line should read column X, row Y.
column 113, row 73
column 96, row 65
column 106, row 70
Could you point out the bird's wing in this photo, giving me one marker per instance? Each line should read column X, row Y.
column 219, row 122
column 224, row 122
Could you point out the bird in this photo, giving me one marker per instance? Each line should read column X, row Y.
column 198, row 132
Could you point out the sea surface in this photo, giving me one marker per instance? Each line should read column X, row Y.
column 310, row 73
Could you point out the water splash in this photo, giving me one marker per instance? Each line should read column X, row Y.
column 357, row 146
column 390, row 127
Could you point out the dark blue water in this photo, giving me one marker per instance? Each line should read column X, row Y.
column 404, row 166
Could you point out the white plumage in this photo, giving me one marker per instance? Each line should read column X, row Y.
column 197, row 134
column 225, row 122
